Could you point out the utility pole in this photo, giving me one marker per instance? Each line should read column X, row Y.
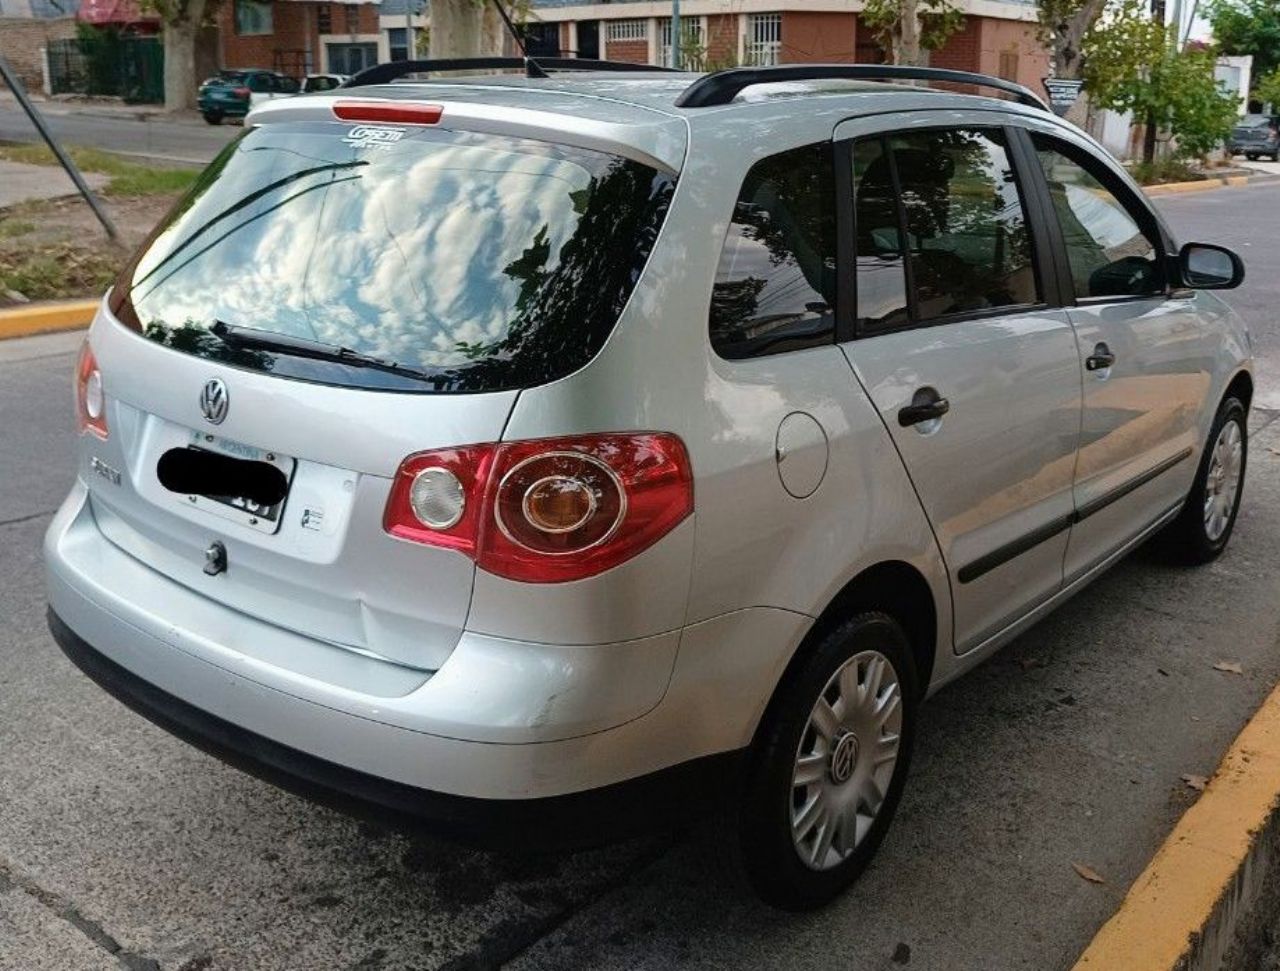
column 410, row 48
column 675, row 34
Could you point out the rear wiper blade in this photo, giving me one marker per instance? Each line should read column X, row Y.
column 253, row 339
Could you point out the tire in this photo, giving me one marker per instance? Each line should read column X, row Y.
column 1197, row 536
column 758, row 836
column 213, row 117
column 1251, row 157
column 1275, row 156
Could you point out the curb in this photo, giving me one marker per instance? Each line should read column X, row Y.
column 1184, row 912
column 1200, row 185
column 39, row 318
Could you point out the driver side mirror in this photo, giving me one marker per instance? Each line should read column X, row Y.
column 1208, row 267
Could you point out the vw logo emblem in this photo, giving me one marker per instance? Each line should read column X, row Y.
column 844, row 758
column 214, row 401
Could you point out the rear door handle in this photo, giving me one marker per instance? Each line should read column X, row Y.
column 1100, row 358
column 925, row 406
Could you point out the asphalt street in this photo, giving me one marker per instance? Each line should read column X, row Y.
column 189, row 141
column 122, row 847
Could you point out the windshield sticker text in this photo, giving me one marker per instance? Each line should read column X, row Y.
column 370, row 136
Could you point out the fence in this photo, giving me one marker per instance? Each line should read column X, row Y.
column 105, row 63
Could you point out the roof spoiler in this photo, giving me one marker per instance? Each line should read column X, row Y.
column 721, row 87
column 534, row 67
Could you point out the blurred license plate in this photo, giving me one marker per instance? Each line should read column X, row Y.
column 265, row 519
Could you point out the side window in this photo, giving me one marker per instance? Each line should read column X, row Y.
column 258, row 83
column 1109, row 253
column 968, row 241
column 775, row 286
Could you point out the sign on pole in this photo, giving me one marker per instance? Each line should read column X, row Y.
column 1063, row 93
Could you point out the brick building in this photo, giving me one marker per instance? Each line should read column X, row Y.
column 298, row 37
column 998, row 36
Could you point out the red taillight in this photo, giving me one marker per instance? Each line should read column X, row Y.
column 406, row 114
column 91, row 403
column 548, row 510
column 242, row 93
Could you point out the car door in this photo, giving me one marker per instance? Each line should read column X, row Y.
column 1146, row 355
column 954, row 337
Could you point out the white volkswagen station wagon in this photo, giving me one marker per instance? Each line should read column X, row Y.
column 553, row 452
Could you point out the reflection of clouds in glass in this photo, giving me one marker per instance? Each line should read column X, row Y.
column 402, row 258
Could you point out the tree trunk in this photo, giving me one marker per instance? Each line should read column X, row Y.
column 180, row 58
column 907, row 46
column 456, row 28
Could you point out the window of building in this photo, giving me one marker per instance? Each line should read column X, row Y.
column 324, row 18
column 1009, row 65
column 967, row 242
column 398, row 43
column 627, row 30
column 763, row 39
column 1109, row 253
column 252, row 17
column 693, row 48
column 351, row 16
column 775, row 286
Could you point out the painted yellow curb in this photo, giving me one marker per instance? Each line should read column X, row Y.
column 1182, row 911
column 1200, row 185
column 38, row 318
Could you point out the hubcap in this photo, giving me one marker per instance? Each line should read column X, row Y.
column 1223, row 481
column 845, row 760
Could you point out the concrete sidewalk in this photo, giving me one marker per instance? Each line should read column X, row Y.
column 22, row 183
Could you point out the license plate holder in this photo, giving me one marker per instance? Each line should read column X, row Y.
column 264, row 519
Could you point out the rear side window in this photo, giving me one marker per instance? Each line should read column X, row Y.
column 775, row 286
column 959, row 220
column 460, row 262
column 1109, row 253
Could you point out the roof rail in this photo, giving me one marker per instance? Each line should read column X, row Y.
column 533, row 67
column 721, row 87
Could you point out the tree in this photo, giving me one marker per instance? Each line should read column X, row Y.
column 1132, row 63
column 1267, row 90
column 182, row 20
column 1248, row 27
column 1063, row 27
column 472, row 28
column 908, row 28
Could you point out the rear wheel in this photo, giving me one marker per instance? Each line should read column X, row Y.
column 213, row 117
column 829, row 767
column 1202, row 530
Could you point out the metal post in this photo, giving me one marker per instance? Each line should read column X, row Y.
column 410, row 51
column 20, row 93
column 675, row 34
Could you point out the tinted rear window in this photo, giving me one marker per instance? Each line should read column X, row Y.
column 483, row 262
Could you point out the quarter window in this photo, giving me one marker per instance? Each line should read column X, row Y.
column 1109, row 253
column 881, row 283
column 775, row 286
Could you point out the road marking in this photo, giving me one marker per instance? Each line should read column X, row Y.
column 1184, row 909
column 40, row 318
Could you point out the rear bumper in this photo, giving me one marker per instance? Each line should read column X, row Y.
column 500, row 719
column 231, row 109
column 609, row 812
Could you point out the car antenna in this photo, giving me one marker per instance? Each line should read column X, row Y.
column 531, row 67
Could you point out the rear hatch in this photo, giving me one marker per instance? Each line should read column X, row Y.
column 329, row 299
column 230, row 88
column 1252, row 130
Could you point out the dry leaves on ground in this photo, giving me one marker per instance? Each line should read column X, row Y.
column 1196, row 782
column 1088, row 873
column 1231, row 667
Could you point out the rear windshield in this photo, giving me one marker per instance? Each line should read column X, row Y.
column 1255, row 121
column 453, row 261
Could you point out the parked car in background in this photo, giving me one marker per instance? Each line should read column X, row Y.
column 497, row 453
column 1256, row 136
column 233, row 92
column 323, row 82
